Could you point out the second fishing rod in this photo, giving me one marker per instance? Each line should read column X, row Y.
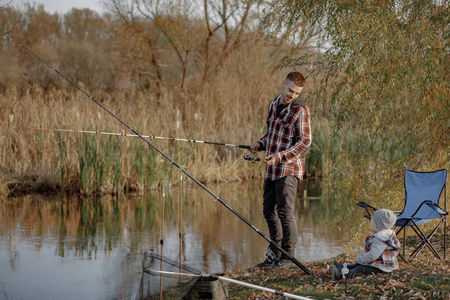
column 271, row 242
column 251, row 158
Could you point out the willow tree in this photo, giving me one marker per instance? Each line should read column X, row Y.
column 386, row 84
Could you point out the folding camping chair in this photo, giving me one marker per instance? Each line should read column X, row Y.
column 422, row 193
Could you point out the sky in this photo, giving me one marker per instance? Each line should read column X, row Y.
column 60, row 6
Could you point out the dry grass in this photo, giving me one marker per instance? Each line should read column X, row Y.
column 34, row 159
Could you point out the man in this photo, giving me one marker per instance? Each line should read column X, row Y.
column 286, row 142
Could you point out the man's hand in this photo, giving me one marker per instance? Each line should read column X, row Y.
column 254, row 148
column 270, row 160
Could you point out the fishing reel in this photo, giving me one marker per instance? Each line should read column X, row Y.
column 251, row 158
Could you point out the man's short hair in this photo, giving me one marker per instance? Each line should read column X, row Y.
column 297, row 78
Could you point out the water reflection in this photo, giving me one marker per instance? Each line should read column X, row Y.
column 74, row 248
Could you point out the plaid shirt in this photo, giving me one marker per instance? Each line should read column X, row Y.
column 389, row 257
column 288, row 137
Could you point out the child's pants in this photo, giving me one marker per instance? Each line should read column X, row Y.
column 356, row 269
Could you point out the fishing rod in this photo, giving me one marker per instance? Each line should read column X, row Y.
column 249, row 157
column 271, row 242
column 146, row 136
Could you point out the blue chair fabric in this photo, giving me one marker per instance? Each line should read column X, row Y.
column 420, row 187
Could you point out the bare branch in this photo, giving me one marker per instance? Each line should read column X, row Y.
column 2, row 6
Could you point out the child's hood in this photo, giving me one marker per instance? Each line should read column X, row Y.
column 384, row 235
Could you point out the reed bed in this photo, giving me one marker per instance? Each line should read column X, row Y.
column 44, row 160
column 47, row 161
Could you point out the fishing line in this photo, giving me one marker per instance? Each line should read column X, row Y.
column 271, row 242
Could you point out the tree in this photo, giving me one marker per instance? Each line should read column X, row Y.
column 33, row 27
column 387, row 70
column 181, row 37
column 387, row 75
column 138, row 44
column 8, row 18
column 39, row 27
column 233, row 18
column 174, row 21
column 84, row 25
column 85, row 49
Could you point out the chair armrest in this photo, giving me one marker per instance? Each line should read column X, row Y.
column 365, row 205
column 369, row 209
column 435, row 207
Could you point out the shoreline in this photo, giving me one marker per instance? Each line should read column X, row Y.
column 424, row 278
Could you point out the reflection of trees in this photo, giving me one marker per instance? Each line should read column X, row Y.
column 120, row 229
column 12, row 251
column 85, row 226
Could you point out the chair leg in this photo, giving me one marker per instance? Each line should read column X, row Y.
column 403, row 258
column 404, row 240
column 425, row 241
column 397, row 232
column 445, row 236
column 433, row 232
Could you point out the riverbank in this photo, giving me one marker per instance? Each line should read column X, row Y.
column 424, row 278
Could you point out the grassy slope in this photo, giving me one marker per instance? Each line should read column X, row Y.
column 424, row 278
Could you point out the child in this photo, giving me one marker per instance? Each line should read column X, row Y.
column 381, row 249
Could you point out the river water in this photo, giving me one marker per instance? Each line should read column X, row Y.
column 72, row 248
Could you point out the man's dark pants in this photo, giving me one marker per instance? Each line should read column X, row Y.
column 278, row 210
